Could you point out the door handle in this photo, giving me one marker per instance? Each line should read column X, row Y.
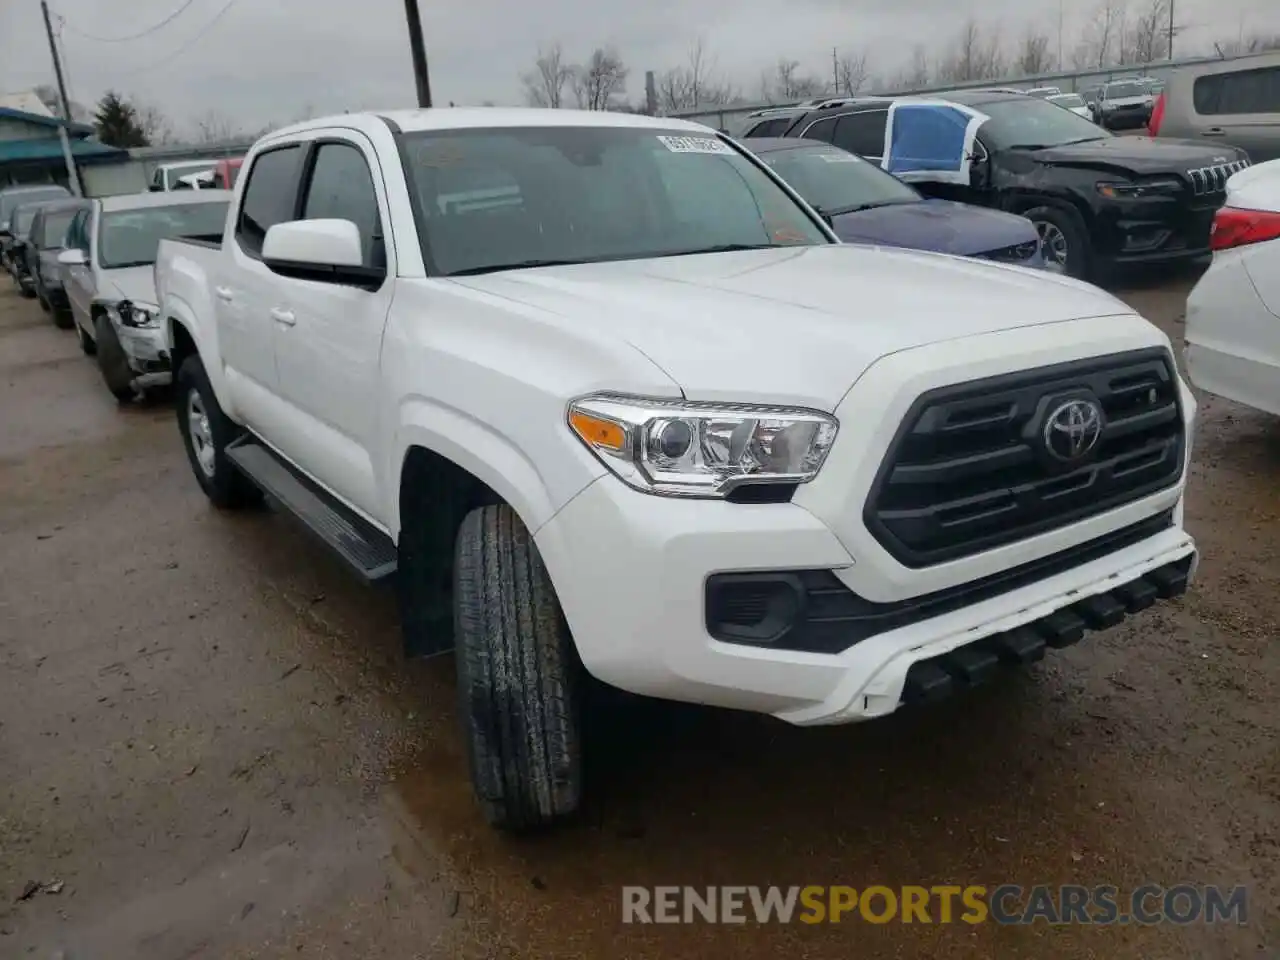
column 1214, row 132
column 285, row 317
column 224, row 294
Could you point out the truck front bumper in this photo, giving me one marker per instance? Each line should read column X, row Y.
column 633, row 571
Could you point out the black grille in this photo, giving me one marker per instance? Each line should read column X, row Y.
column 968, row 470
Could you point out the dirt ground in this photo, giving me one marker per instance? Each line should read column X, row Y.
column 211, row 747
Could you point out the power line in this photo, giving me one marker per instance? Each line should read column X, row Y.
column 133, row 36
column 147, row 67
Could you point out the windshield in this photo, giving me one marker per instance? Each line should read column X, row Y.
column 835, row 181
column 129, row 238
column 1027, row 122
column 19, row 197
column 527, row 196
column 53, row 230
column 1117, row 91
column 1069, row 100
column 22, row 219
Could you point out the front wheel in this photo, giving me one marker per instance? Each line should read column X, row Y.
column 206, row 432
column 518, row 675
column 112, row 361
column 1064, row 241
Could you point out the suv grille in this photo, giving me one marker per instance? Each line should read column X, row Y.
column 981, row 464
column 1209, row 180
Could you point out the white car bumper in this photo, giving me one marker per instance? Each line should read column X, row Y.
column 147, row 352
column 633, row 571
column 1233, row 340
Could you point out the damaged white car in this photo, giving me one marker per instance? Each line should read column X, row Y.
column 109, row 278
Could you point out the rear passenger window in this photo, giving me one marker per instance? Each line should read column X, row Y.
column 269, row 196
column 342, row 188
column 824, row 130
column 771, row 128
column 862, row 133
column 1247, row 91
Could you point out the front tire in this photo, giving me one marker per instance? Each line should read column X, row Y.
column 1064, row 241
column 87, row 345
column 112, row 361
column 518, row 675
column 206, row 431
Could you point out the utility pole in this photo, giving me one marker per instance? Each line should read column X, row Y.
column 1170, row 29
column 1060, row 67
column 419, row 50
column 73, row 175
column 835, row 73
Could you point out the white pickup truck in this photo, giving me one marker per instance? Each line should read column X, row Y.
column 604, row 395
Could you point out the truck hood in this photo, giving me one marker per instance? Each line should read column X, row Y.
column 131, row 283
column 1139, row 101
column 1138, row 155
column 791, row 325
column 939, row 225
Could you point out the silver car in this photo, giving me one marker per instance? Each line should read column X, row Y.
column 1234, row 102
column 110, row 282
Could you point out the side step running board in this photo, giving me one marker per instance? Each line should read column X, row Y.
column 367, row 550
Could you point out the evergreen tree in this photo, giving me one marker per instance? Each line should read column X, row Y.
column 117, row 122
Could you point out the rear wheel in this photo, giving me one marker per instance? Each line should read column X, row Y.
column 518, row 675
column 206, row 432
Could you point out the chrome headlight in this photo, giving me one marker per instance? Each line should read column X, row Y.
column 143, row 316
column 682, row 449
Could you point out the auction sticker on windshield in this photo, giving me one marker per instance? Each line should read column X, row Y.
column 695, row 145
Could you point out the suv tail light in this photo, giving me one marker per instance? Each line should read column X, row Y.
column 1233, row 227
column 1157, row 115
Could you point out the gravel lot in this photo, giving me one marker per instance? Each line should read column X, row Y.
column 211, row 746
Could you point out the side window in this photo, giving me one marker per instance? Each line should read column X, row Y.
column 73, row 232
column 269, row 196
column 1246, row 91
column 824, row 130
column 771, row 128
column 341, row 188
column 862, row 133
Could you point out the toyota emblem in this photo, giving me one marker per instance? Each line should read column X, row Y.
column 1072, row 429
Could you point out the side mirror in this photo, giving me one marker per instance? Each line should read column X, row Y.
column 73, row 258
column 326, row 251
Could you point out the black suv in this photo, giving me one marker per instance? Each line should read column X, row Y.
column 1098, row 201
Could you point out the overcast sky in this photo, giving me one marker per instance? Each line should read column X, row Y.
column 266, row 61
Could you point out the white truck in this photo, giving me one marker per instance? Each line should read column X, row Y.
column 608, row 400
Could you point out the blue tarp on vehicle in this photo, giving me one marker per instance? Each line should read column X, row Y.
column 930, row 140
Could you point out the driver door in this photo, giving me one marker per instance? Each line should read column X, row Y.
column 933, row 144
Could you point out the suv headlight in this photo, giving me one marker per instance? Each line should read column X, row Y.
column 682, row 449
column 141, row 316
column 1114, row 190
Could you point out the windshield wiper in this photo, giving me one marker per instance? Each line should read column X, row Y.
column 518, row 265
column 126, row 266
column 871, row 205
column 723, row 248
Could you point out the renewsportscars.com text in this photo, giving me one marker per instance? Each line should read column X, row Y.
column 1181, row 904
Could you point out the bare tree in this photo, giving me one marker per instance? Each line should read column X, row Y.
column 154, row 124
column 974, row 56
column 851, row 73
column 212, row 126
column 545, row 84
column 790, row 84
column 597, row 82
column 1033, row 55
column 1101, row 43
column 694, row 84
column 1147, row 37
column 1248, row 43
